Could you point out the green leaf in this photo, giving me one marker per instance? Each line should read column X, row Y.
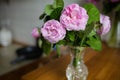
column 42, row 16
column 71, row 35
column 48, row 9
column 92, row 33
column 93, row 12
column 58, row 3
column 95, row 43
column 87, row 31
column 56, row 13
column 56, row 6
column 89, row 28
column 46, row 18
column 46, row 46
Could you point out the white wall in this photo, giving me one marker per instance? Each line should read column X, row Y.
column 23, row 17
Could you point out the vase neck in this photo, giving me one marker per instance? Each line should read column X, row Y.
column 77, row 54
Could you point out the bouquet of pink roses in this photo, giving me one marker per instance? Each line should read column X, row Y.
column 73, row 25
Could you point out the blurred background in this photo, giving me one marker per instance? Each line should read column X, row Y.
column 21, row 16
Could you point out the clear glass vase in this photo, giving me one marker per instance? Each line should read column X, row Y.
column 76, row 70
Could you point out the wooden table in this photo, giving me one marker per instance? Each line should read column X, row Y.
column 103, row 65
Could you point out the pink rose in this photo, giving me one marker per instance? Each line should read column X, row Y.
column 74, row 17
column 53, row 31
column 35, row 33
column 106, row 25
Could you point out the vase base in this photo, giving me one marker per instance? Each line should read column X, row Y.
column 79, row 73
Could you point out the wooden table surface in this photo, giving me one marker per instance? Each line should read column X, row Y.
column 103, row 65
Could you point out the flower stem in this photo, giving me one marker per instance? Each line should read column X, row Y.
column 77, row 56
